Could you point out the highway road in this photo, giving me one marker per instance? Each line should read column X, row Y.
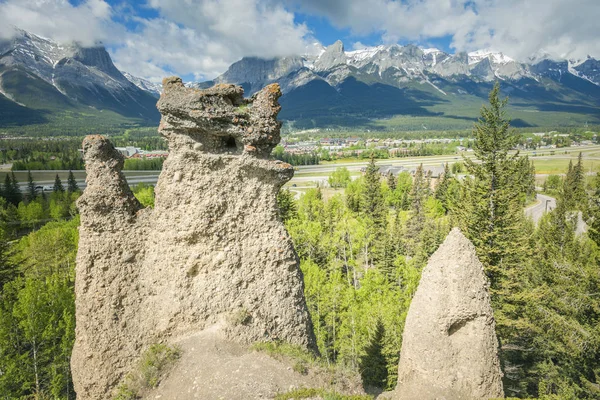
column 315, row 173
column 544, row 204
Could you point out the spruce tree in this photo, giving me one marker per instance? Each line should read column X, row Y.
column 7, row 190
column 286, row 204
column 373, row 200
column 493, row 215
column 32, row 191
column 373, row 365
column 573, row 191
column 391, row 181
column 16, row 190
column 58, row 186
column 419, row 190
column 441, row 191
column 72, row 183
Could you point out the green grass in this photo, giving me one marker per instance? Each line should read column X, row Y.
column 556, row 166
column 152, row 366
column 305, row 362
column 305, row 393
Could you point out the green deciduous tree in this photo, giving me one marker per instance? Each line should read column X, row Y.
column 339, row 178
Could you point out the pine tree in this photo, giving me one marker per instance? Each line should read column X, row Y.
column 32, row 191
column 58, row 186
column 16, row 190
column 72, row 186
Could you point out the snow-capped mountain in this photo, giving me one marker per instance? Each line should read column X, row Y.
column 337, row 85
column 144, row 84
column 40, row 73
column 327, row 85
column 394, row 64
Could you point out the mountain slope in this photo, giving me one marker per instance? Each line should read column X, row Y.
column 40, row 74
column 362, row 87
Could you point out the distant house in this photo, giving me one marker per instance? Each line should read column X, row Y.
column 128, row 151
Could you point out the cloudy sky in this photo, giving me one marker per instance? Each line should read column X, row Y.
column 199, row 39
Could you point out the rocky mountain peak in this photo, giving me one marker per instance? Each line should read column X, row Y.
column 333, row 56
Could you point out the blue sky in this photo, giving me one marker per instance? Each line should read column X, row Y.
column 200, row 39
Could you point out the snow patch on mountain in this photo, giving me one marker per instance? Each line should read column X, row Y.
column 493, row 56
column 144, row 84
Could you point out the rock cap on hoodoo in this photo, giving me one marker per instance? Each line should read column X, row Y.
column 220, row 119
column 449, row 346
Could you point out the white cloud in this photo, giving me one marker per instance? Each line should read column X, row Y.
column 87, row 23
column 358, row 46
column 203, row 37
column 519, row 28
column 199, row 37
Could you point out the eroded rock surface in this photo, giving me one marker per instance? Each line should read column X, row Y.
column 212, row 251
column 449, row 347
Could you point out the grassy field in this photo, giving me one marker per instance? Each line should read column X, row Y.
column 560, row 165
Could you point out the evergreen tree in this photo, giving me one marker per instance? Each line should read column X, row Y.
column 15, row 189
column 58, row 186
column 286, row 205
column 593, row 217
column 419, row 191
column 72, row 186
column 9, row 192
column 8, row 271
column 573, row 192
column 373, row 200
column 31, row 190
column 493, row 214
column 441, row 191
column 391, row 181
column 373, row 366
column 7, row 189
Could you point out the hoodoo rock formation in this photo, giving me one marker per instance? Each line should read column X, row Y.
column 449, row 347
column 211, row 255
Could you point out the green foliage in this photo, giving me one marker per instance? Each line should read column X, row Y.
column 373, row 363
column 72, row 183
column 358, row 274
column 37, row 316
column 58, row 186
column 324, row 394
column 553, row 184
column 145, row 194
column 573, row 193
column 152, row 366
column 286, row 204
column 339, row 178
column 279, row 153
column 143, row 164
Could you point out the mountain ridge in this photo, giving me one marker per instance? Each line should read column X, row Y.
column 327, row 87
column 73, row 78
